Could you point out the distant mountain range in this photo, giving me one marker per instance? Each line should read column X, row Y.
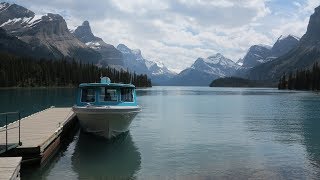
column 203, row 71
column 48, row 37
column 24, row 33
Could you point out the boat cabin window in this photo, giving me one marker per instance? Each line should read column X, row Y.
column 107, row 94
column 88, row 95
column 127, row 94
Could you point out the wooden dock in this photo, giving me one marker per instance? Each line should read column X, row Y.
column 10, row 168
column 41, row 134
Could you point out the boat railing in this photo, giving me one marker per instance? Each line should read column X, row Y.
column 9, row 143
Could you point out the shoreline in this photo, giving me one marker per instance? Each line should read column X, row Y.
column 50, row 87
column 40, row 87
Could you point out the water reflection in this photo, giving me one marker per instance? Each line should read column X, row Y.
column 286, row 128
column 31, row 100
column 206, row 133
column 98, row 158
column 310, row 132
column 181, row 91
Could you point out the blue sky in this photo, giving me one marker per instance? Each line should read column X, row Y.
column 177, row 32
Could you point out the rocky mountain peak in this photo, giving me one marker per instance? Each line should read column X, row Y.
column 256, row 54
column 288, row 37
column 217, row 60
column 259, row 47
column 123, row 48
column 284, row 44
column 84, row 33
column 52, row 17
column 86, row 24
column 13, row 17
column 10, row 11
column 137, row 52
column 312, row 35
column 217, row 56
column 197, row 62
column 3, row 4
column 49, row 24
column 110, row 55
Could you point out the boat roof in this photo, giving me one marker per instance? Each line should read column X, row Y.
column 106, row 85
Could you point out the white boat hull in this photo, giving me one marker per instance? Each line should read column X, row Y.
column 106, row 121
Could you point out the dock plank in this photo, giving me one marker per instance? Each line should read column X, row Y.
column 39, row 129
column 10, row 168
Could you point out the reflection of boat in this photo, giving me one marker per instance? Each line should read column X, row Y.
column 98, row 158
column 106, row 109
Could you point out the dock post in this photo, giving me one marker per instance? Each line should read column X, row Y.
column 6, row 132
column 19, row 129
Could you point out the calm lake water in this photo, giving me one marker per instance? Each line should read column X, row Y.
column 191, row 132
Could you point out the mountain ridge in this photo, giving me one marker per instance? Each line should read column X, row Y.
column 49, row 33
column 204, row 70
column 110, row 56
column 303, row 56
column 134, row 61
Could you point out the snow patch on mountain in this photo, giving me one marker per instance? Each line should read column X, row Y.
column 282, row 37
column 94, row 45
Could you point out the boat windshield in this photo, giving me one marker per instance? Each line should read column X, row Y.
column 88, row 95
column 126, row 94
column 108, row 94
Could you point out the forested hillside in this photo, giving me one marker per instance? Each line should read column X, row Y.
column 29, row 72
column 302, row 79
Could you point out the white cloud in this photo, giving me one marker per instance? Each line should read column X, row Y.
column 297, row 28
column 140, row 6
column 297, row 4
column 310, row 5
column 221, row 3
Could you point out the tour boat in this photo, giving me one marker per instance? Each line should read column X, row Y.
column 106, row 109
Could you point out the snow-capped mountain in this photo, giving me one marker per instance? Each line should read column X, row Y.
column 204, row 71
column 14, row 17
column 217, row 65
column 134, row 61
column 110, row 55
column 159, row 73
column 48, row 32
